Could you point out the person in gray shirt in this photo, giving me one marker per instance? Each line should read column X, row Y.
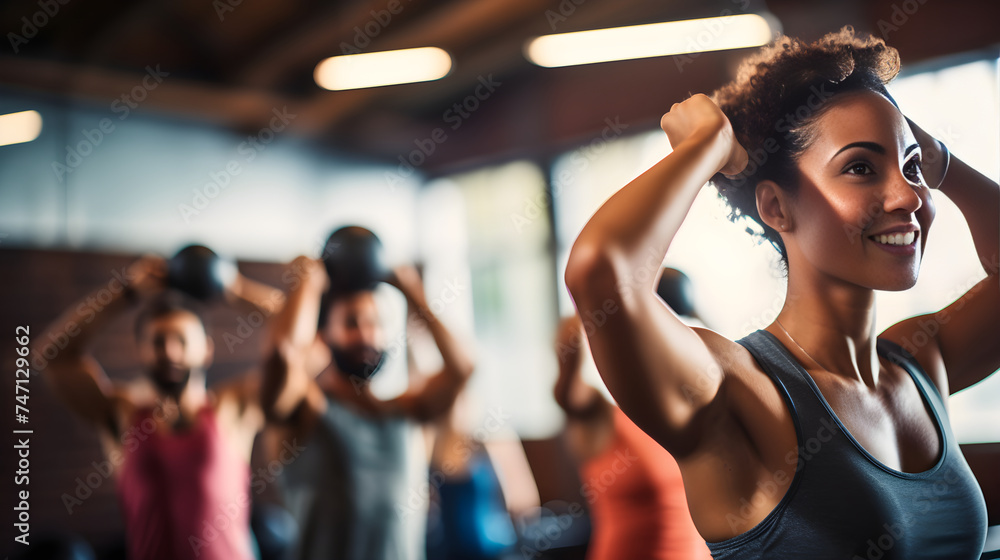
column 351, row 485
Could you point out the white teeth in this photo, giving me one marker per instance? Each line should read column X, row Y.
column 896, row 238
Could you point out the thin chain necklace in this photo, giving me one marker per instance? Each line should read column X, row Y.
column 783, row 329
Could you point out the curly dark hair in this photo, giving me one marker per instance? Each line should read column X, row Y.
column 776, row 97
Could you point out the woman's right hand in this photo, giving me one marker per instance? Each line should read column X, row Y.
column 698, row 115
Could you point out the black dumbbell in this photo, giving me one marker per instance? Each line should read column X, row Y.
column 355, row 260
column 199, row 272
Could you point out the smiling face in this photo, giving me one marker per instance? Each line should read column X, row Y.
column 862, row 210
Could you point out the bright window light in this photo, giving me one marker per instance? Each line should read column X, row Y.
column 386, row 68
column 16, row 128
column 654, row 39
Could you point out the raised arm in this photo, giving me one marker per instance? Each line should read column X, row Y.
column 437, row 395
column 250, row 293
column 73, row 373
column 240, row 397
column 292, row 333
column 651, row 362
column 577, row 399
column 957, row 345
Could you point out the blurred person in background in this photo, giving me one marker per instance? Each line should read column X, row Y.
column 178, row 449
column 358, row 490
column 481, row 483
column 638, row 507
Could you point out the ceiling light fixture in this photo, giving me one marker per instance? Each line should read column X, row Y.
column 16, row 128
column 368, row 70
column 649, row 40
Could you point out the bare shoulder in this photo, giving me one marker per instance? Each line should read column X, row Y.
column 126, row 399
column 911, row 335
column 238, row 399
column 731, row 357
column 751, row 398
column 753, row 429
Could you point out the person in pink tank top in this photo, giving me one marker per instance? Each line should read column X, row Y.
column 633, row 486
column 179, row 449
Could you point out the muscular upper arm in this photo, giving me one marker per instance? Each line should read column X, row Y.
column 81, row 384
column 286, row 382
column 957, row 346
column 430, row 399
column 660, row 371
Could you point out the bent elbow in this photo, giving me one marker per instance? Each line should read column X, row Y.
column 590, row 271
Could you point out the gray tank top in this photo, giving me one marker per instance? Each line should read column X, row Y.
column 358, row 490
column 845, row 504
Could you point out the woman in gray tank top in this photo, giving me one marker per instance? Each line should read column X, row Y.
column 811, row 438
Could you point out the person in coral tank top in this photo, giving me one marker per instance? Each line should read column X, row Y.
column 633, row 486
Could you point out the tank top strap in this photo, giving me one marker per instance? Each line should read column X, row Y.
column 844, row 503
column 899, row 356
column 800, row 392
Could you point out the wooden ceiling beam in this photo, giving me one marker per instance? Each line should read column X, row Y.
column 319, row 38
column 236, row 108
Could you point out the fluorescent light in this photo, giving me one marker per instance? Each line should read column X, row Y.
column 16, row 128
column 385, row 68
column 654, row 39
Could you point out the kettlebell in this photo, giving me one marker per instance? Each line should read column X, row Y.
column 355, row 260
column 199, row 272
